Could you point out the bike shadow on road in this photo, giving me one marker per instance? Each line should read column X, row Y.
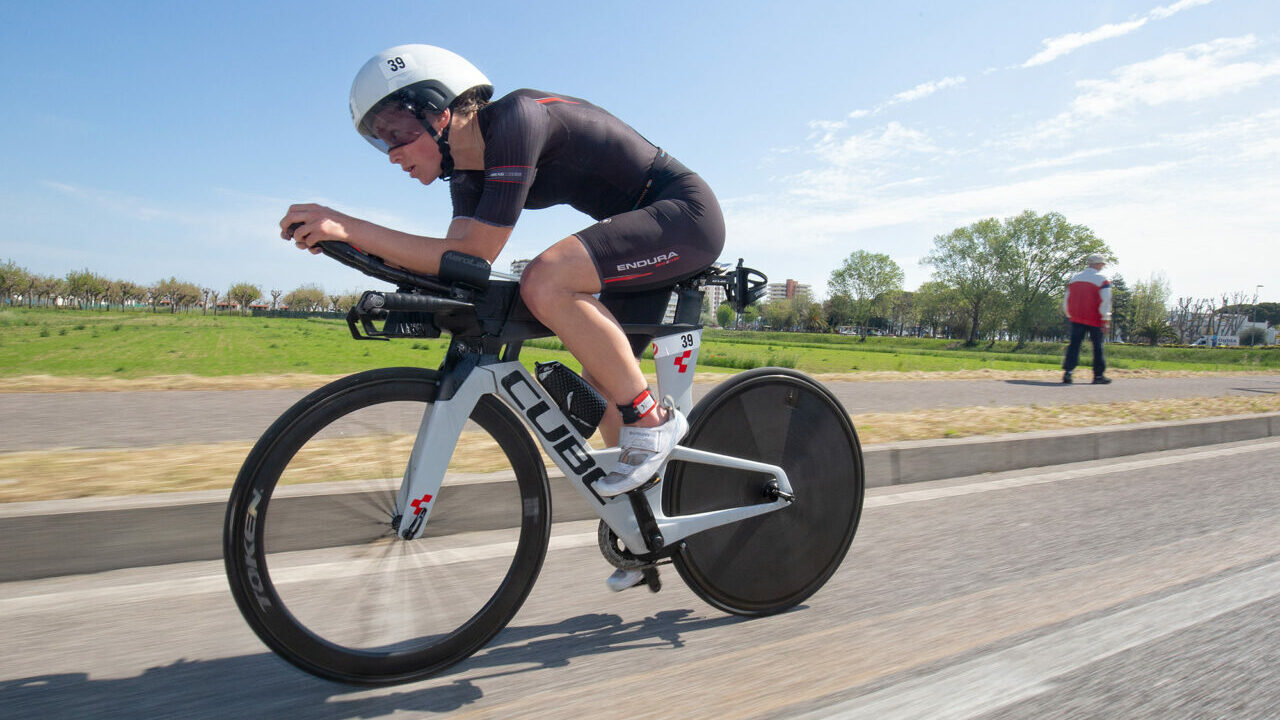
column 1039, row 383
column 259, row 684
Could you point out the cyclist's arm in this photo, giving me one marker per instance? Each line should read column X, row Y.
column 418, row 253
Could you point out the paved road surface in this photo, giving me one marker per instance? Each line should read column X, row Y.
column 134, row 419
column 1141, row 587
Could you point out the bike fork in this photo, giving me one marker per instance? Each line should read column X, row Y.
column 438, row 435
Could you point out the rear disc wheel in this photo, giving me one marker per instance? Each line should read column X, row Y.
column 769, row 563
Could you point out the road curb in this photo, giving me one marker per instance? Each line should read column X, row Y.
column 67, row 537
column 925, row 460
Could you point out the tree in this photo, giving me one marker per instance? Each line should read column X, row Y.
column 246, row 293
column 308, row 298
column 839, row 310
column 86, row 287
column 1227, row 320
column 724, row 315
column 1154, row 332
column 275, row 298
column 966, row 260
column 28, row 287
column 937, row 309
column 903, row 311
column 49, row 288
column 130, row 292
column 347, row 301
column 213, row 300
column 1148, row 311
column 868, row 279
column 1189, row 318
column 1037, row 255
column 780, row 314
column 1043, row 319
column 1120, row 300
column 1268, row 312
column 811, row 316
column 12, row 277
column 185, row 295
column 163, row 292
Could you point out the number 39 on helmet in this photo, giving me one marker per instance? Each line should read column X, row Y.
column 422, row 79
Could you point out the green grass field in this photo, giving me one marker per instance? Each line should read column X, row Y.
column 841, row 353
column 137, row 344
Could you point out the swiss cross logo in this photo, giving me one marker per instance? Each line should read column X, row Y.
column 682, row 359
column 417, row 504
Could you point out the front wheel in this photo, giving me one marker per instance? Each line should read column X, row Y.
column 316, row 567
column 766, row 564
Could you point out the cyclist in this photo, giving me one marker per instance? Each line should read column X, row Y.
column 657, row 222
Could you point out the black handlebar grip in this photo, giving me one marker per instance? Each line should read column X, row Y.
column 292, row 228
column 409, row 302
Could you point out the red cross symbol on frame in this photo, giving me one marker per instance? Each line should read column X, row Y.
column 683, row 358
column 417, row 504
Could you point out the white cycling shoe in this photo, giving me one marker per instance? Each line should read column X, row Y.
column 643, row 452
column 621, row 579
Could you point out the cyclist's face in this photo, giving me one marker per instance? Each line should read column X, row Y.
column 420, row 156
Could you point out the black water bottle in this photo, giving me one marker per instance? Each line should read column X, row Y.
column 574, row 396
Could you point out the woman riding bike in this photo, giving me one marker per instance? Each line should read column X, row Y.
column 657, row 222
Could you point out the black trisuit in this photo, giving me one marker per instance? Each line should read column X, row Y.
column 658, row 222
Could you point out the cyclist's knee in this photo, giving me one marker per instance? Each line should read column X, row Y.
column 538, row 286
column 557, row 274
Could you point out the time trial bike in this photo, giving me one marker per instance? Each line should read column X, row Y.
column 391, row 523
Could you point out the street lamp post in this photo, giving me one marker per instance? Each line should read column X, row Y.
column 1254, row 319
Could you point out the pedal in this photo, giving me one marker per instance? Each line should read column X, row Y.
column 651, row 579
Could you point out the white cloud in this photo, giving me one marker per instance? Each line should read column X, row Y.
column 892, row 140
column 1159, row 216
column 1055, row 47
column 918, row 92
column 1068, row 159
column 1161, row 13
column 1195, row 73
column 926, row 89
column 1156, row 201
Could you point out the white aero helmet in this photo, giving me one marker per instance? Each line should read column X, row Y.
column 418, row 78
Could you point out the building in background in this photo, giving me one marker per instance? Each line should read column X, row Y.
column 716, row 295
column 789, row 290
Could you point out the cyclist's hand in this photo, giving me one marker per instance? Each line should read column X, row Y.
column 308, row 224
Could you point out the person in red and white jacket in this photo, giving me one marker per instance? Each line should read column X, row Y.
column 1088, row 306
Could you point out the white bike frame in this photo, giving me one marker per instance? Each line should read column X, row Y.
column 676, row 359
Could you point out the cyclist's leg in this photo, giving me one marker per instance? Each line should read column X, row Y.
column 649, row 248
column 559, row 288
column 611, row 422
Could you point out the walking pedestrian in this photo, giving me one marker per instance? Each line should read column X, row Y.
column 1088, row 307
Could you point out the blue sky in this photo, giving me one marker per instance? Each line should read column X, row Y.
column 143, row 140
